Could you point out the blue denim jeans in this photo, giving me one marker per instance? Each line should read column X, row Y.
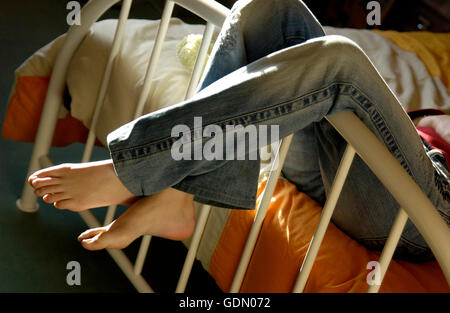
column 273, row 65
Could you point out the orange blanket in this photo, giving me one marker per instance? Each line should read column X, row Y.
column 24, row 112
column 282, row 244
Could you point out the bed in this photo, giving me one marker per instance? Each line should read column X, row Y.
column 240, row 257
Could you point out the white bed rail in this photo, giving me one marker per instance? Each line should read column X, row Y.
column 215, row 14
column 412, row 200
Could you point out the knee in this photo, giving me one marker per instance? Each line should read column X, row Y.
column 252, row 8
column 341, row 46
column 343, row 52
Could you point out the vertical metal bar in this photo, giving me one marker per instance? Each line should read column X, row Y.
column 261, row 213
column 205, row 210
column 87, row 216
column 193, row 248
column 119, row 257
column 110, row 214
column 112, row 59
column 89, row 14
column 389, row 247
column 200, row 61
column 153, row 62
column 45, row 161
column 116, row 47
column 154, row 58
column 399, row 183
column 142, row 254
column 325, row 217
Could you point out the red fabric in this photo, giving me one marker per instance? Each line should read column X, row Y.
column 429, row 135
column 436, row 141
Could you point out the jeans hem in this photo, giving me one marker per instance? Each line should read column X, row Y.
column 213, row 197
column 405, row 250
column 124, row 176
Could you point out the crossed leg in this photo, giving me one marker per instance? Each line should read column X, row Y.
column 77, row 187
column 169, row 213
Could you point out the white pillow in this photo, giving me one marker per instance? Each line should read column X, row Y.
column 169, row 84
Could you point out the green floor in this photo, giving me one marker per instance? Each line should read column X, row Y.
column 35, row 248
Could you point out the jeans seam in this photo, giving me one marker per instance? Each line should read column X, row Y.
column 224, row 122
column 392, row 146
column 444, row 190
column 402, row 239
column 339, row 88
column 217, row 123
column 220, row 194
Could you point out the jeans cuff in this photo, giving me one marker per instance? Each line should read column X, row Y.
column 126, row 177
column 217, row 198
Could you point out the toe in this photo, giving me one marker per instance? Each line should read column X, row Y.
column 102, row 240
column 43, row 182
column 68, row 204
column 113, row 236
column 90, row 233
column 40, row 192
column 31, row 178
column 55, row 197
column 95, row 243
column 54, row 171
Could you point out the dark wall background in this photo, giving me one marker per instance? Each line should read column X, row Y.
column 401, row 15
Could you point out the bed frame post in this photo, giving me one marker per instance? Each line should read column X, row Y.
column 44, row 137
column 399, row 183
column 261, row 212
column 325, row 218
column 389, row 247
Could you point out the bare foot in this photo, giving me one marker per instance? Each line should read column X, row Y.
column 167, row 214
column 80, row 186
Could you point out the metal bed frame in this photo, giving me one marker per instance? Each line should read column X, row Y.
column 413, row 202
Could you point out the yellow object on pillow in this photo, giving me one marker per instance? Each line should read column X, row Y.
column 187, row 51
column 85, row 73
